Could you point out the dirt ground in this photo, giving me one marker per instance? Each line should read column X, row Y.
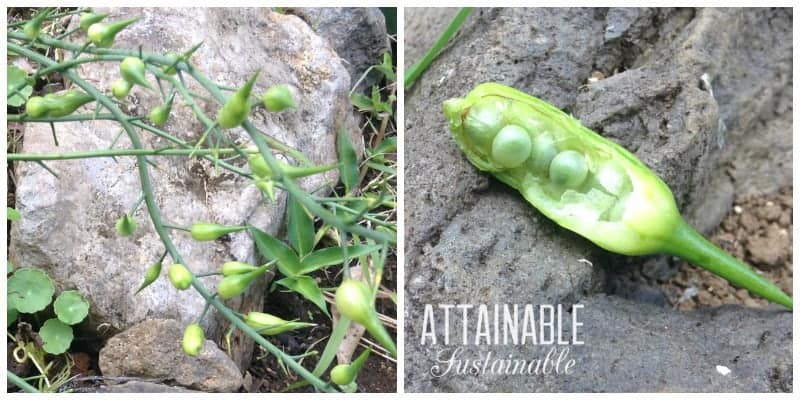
column 758, row 231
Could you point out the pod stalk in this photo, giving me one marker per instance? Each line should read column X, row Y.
column 689, row 245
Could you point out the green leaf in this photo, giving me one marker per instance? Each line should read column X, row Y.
column 333, row 256
column 307, row 287
column 11, row 314
column 348, row 163
column 12, row 214
column 386, row 67
column 274, row 249
column 30, row 289
column 17, row 77
column 57, row 336
column 362, row 102
column 301, row 228
column 71, row 308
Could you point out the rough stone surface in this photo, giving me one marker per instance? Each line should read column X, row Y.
column 142, row 387
column 357, row 34
column 152, row 349
column 635, row 347
column 68, row 223
column 698, row 95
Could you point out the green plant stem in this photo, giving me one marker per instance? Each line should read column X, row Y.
column 66, row 118
column 50, row 17
column 155, row 216
column 20, row 383
column 415, row 71
column 288, row 184
column 686, row 243
column 115, row 153
column 117, row 54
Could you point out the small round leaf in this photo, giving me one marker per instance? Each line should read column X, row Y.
column 71, row 308
column 11, row 314
column 57, row 336
column 16, row 77
column 30, row 289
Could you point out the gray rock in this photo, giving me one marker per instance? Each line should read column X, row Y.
column 635, row 347
column 357, row 34
column 142, row 387
column 684, row 90
column 152, row 349
column 67, row 227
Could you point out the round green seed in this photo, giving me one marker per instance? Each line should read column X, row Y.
column 568, row 169
column 511, row 147
column 543, row 150
column 483, row 121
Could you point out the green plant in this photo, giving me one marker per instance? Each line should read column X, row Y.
column 355, row 300
column 591, row 185
column 237, row 107
column 56, row 104
column 103, row 34
column 17, row 78
column 345, row 374
column 268, row 324
column 30, row 292
column 336, row 230
column 415, row 71
column 278, row 98
column 193, row 339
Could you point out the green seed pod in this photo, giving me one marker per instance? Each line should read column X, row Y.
column 568, row 169
column 354, row 301
column 259, row 166
column 204, row 231
column 132, row 70
column 270, row 325
column 179, row 276
column 237, row 268
column 150, row 276
column 126, row 225
column 56, row 104
column 236, row 109
column 173, row 58
column 121, row 88
column 511, row 146
column 278, row 98
column 89, row 19
column 193, row 339
column 345, row 374
column 36, row 107
column 267, row 186
column 33, row 27
column 160, row 113
column 103, row 34
column 234, row 285
column 593, row 186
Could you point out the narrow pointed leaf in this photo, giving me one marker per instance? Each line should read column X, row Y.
column 301, row 228
column 332, row 256
column 274, row 249
column 348, row 163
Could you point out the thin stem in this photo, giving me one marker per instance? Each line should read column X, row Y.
column 686, row 243
column 20, row 383
column 116, row 153
column 415, row 71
